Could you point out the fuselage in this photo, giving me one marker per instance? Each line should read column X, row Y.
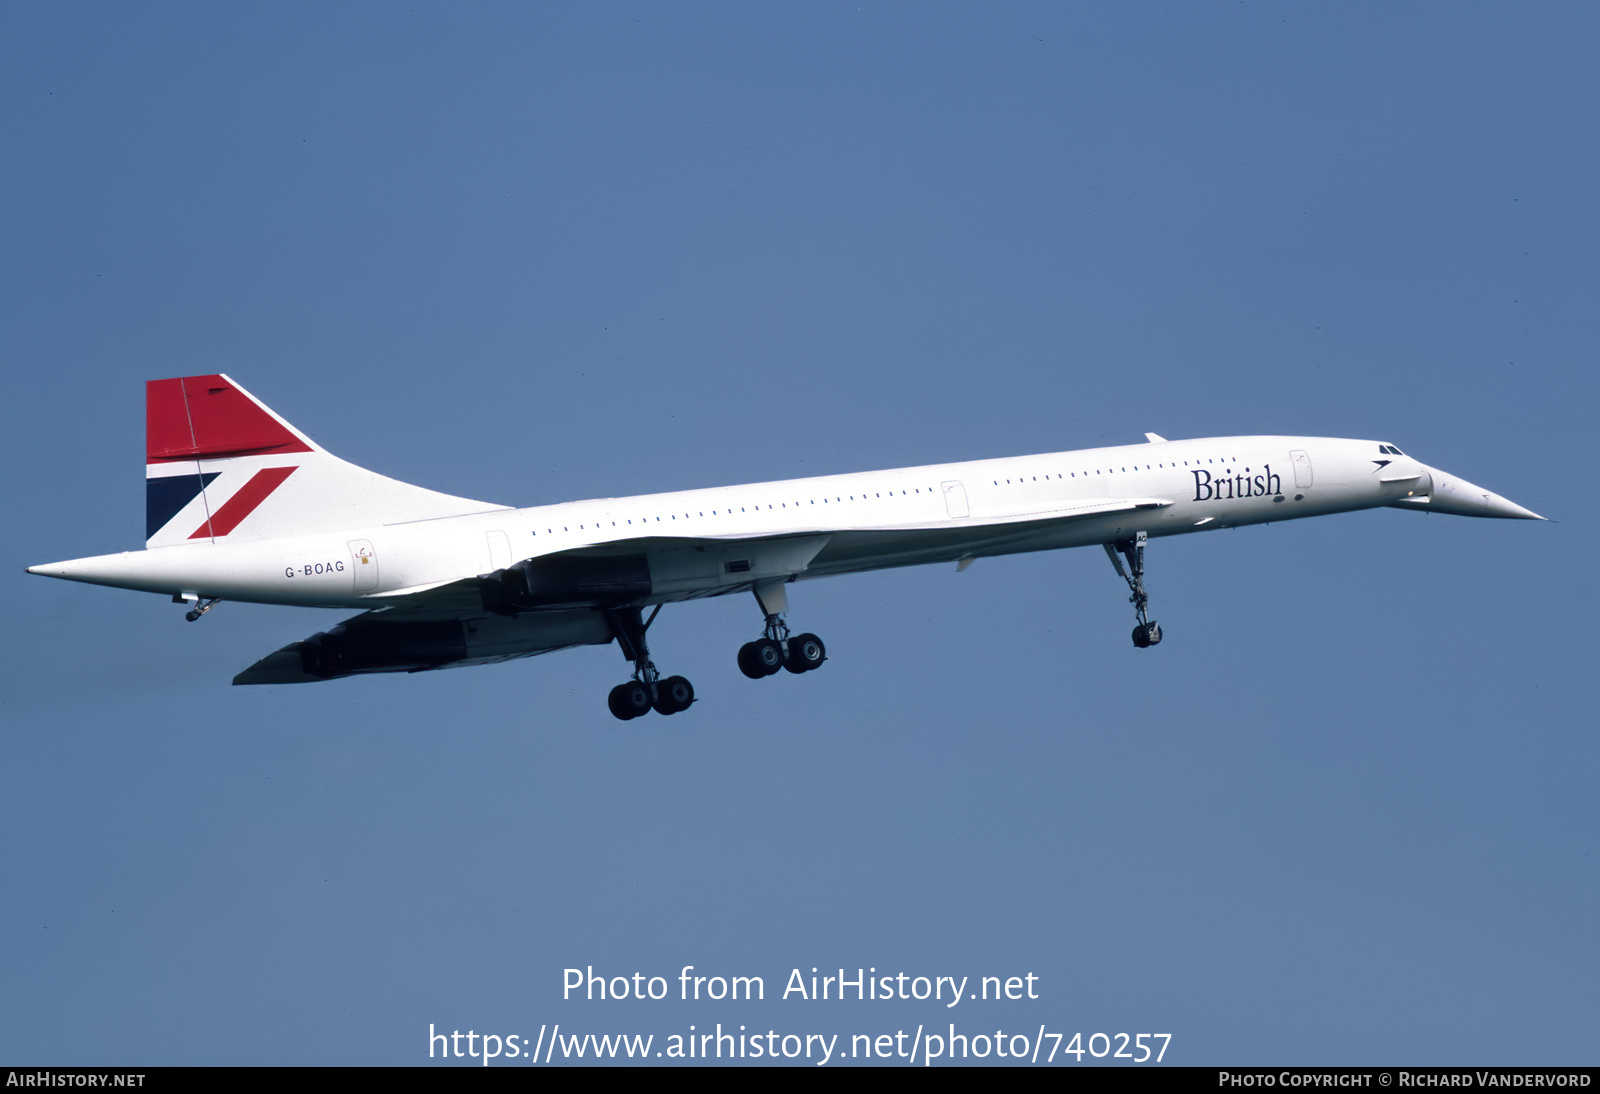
column 839, row 523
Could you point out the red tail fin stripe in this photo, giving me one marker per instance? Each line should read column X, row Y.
column 207, row 417
column 243, row 503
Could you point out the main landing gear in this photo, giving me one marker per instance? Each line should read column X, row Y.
column 647, row 691
column 1148, row 632
column 775, row 649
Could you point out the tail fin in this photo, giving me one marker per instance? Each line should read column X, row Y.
column 221, row 466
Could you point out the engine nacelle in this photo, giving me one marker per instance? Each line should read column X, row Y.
column 382, row 647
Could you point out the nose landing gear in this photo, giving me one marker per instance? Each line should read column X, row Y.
column 1148, row 632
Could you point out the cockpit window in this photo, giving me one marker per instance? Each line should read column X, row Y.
column 1390, row 450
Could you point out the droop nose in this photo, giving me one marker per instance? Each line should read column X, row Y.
column 1460, row 497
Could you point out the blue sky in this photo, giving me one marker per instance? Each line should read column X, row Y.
column 1344, row 814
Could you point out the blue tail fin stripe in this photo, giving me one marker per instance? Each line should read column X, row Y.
column 165, row 496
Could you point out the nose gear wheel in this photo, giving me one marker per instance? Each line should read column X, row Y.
column 1148, row 632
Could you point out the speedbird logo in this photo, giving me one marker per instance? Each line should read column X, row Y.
column 1242, row 485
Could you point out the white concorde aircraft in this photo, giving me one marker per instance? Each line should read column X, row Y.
column 240, row 505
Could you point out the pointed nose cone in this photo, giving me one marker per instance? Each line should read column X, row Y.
column 1458, row 496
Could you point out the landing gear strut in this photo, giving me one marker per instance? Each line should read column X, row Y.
column 201, row 606
column 647, row 691
column 1148, row 632
column 775, row 649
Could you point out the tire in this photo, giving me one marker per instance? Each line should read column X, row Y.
column 1140, row 639
column 748, row 663
column 1153, row 633
column 806, row 652
column 628, row 701
column 766, row 655
column 673, row 694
